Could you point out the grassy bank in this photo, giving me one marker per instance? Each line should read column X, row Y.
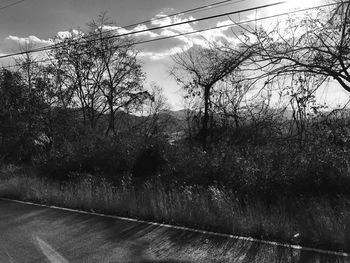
column 320, row 222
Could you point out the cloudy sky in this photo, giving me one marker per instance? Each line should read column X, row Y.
column 41, row 20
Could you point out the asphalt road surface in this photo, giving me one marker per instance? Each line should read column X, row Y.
column 37, row 234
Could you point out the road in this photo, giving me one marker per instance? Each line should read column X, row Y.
column 35, row 234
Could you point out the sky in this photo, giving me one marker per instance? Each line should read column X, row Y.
column 41, row 20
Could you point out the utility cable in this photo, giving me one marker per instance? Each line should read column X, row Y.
column 12, row 4
column 209, row 29
column 51, row 47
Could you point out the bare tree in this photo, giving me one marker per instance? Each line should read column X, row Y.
column 77, row 72
column 28, row 67
column 199, row 69
column 103, row 72
column 303, row 101
column 155, row 121
column 192, row 107
column 122, row 75
column 317, row 43
column 228, row 98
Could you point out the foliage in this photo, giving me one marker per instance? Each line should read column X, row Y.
column 20, row 117
column 85, row 121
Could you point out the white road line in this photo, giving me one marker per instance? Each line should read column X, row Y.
column 52, row 255
column 250, row 239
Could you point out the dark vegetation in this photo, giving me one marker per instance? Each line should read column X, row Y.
column 224, row 163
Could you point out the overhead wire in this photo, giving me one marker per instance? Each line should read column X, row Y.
column 152, row 20
column 208, row 29
column 12, row 4
column 51, row 47
column 188, row 11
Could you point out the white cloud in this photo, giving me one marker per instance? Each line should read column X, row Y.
column 146, row 33
column 224, row 23
column 165, row 54
column 116, row 29
column 33, row 40
column 179, row 44
column 155, row 50
column 69, row 34
column 254, row 16
column 168, row 33
column 164, row 20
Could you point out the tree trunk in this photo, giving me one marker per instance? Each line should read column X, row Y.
column 205, row 118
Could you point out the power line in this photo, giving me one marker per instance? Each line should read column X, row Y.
column 189, row 11
column 12, row 4
column 5, row 1
column 209, row 29
column 234, row 24
column 51, row 47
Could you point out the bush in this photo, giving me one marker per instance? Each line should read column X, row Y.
column 148, row 163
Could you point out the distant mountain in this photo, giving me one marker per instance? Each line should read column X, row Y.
column 179, row 114
column 172, row 123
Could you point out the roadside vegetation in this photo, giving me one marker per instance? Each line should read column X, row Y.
column 253, row 154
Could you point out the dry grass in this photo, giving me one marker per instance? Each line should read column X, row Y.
column 319, row 222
